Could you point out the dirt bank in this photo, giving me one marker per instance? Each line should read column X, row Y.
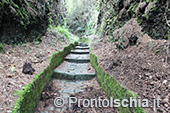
column 141, row 68
column 11, row 62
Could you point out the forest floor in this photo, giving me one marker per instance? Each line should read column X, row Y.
column 11, row 64
column 141, row 68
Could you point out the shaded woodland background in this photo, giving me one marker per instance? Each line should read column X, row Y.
column 29, row 20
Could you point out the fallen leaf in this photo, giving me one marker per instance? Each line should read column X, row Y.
column 10, row 76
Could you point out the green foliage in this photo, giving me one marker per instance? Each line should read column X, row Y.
column 150, row 45
column 162, row 48
column 81, row 16
column 12, row 69
column 156, row 51
column 111, row 39
column 126, row 10
column 64, row 32
column 85, row 40
column 22, row 11
column 37, row 42
column 24, row 20
column 1, row 48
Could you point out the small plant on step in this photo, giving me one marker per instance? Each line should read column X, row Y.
column 150, row 45
column 162, row 48
column 156, row 51
column 12, row 69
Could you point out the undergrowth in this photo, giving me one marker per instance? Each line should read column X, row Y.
column 65, row 32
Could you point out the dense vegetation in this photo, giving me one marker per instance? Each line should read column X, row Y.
column 26, row 20
column 81, row 16
column 150, row 14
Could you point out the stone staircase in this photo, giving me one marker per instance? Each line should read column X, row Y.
column 76, row 65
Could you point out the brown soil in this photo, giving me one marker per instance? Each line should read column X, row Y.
column 11, row 62
column 141, row 68
column 127, row 35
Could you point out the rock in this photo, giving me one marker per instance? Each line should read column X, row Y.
column 165, row 81
column 158, row 76
column 125, row 37
column 44, row 112
column 166, row 105
column 50, row 108
column 9, row 76
column 140, row 7
column 123, row 11
column 160, row 109
column 114, row 63
column 27, row 69
column 150, row 77
column 149, row 7
column 153, row 82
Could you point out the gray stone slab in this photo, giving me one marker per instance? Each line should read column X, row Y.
column 79, row 58
column 77, row 51
column 74, row 71
column 81, row 47
column 83, row 44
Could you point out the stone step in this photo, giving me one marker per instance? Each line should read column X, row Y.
column 74, row 71
column 83, row 44
column 82, row 48
column 78, row 58
column 77, row 51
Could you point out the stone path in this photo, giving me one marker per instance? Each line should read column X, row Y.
column 73, row 76
column 63, row 89
column 76, row 65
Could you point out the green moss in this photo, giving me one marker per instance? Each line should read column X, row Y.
column 1, row 48
column 113, row 88
column 30, row 96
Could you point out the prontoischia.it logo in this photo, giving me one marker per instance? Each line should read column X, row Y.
column 99, row 102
